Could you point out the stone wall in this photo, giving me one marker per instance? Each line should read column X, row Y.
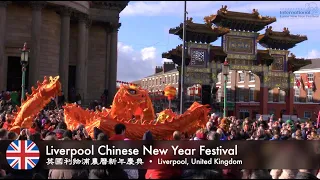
column 19, row 21
column 73, row 44
column 50, row 44
column 18, row 28
column 96, row 63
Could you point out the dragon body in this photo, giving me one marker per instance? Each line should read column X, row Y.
column 131, row 106
column 132, row 101
column 35, row 102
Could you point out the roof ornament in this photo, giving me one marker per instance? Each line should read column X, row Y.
column 269, row 29
column 286, row 31
column 256, row 13
column 189, row 20
column 224, row 9
column 208, row 19
column 292, row 55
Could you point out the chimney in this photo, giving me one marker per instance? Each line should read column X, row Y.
column 158, row 69
column 168, row 66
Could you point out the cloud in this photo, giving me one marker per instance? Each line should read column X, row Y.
column 313, row 54
column 136, row 64
column 166, row 60
column 124, row 48
column 148, row 53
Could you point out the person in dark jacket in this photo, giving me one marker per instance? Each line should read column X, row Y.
column 61, row 99
column 98, row 174
column 305, row 175
column 146, row 137
column 202, row 174
column 286, row 135
column 104, row 98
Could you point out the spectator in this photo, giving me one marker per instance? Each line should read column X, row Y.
column 213, row 136
column 120, row 130
column 3, row 134
column 12, row 135
column 67, row 134
column 102, row 137
column 176, row 136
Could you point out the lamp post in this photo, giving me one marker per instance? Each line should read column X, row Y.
column 24, row 63
column 225, row 70
column 183, row 59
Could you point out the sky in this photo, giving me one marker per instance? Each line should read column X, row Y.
column 144, row 33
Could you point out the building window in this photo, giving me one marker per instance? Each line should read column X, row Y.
column 270, row 95
column 241, row 77
column 229, row 78
column 307, row 114
column 160, row 80
column 241, row 94
column 251, row 77
column 219, row 95
column 177, row 78
column 157, row 83
column 169, row 80
column 310, row 77
column 296, row 95
column 173, row 79
column 251, row 94
column 282, row 95
column 309, row 95
column 229, row 95
column 219, row 77
column 297, row 76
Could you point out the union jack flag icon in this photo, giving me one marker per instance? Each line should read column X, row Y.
column 23, row 154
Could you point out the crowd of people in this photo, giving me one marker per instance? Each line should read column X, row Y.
column 49, row 125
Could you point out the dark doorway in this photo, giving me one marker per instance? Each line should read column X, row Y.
column 206, row 95
column 71, row 83
column 14, row 74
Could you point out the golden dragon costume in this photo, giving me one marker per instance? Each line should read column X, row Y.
column 35, row 102
column 133, row 101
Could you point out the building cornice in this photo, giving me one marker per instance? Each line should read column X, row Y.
column 109, row 5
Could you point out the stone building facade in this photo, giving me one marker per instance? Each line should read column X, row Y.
column 76, row 40
column 163, row 76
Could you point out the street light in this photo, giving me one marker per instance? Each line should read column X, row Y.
column 225, row 71
column 24, row 63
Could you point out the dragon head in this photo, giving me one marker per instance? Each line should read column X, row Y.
column 51, row 87
column 133, row 93
column 135, row 99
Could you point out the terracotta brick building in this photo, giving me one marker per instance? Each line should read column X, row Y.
column 243, row 91
column 74, row 39
column 307, row 90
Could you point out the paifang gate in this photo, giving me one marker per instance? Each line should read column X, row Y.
column 273, row 66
